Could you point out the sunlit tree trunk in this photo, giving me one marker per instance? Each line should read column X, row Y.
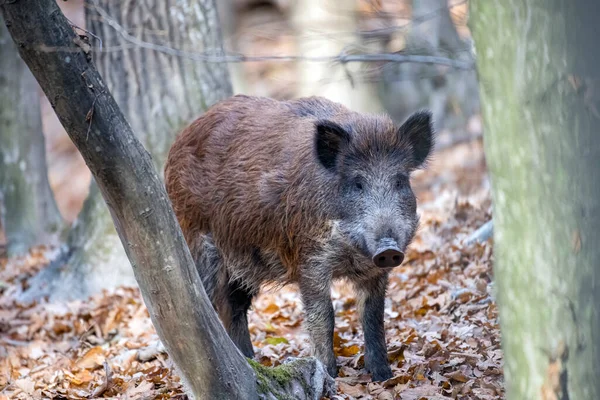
column 327, row 28
column 158, row 93
column 538, row 67
column 28, row 212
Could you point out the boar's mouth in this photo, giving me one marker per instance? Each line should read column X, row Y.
column 388, row 254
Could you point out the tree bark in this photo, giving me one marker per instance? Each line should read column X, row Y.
column 538, row 67
column 209, row 363
column 159, row 94
column 28, row 213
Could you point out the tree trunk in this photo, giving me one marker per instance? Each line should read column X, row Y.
column 327, row 28
column 538, row 66
column 28, row 213
column 159, row 94
column 451, row 95
column 208, row 361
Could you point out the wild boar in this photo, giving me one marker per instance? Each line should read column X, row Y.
column 303, row 191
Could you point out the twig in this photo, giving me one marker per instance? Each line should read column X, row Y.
column 12, row 342
column 416, row 21
column 482, row 234
column 86, row 31
column 106, row 384
column 466, row 355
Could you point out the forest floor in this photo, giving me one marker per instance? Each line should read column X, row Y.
column 441, row 317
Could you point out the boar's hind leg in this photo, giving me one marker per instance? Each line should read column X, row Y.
column 209, row 265
column 240, row 300
column 316, row 296
column 371, row 301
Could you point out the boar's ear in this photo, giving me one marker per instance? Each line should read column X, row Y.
column 417, row 132
column 330, row 138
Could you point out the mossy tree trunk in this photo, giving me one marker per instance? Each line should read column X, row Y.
column 159, row 94
column 538, row 64
column 28, row 212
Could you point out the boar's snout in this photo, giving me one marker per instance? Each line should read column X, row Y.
column 388, row 255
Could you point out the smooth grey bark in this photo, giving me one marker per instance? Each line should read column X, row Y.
column 452, row 95
column 538, row 67
column 159, row 94
column 208, row 361
column 28, row 212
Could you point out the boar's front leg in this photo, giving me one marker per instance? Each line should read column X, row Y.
column 371, row 302
column 315, row 288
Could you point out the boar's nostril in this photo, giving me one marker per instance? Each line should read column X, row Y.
column 388, row 258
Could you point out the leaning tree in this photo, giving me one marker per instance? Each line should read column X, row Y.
column 209, row 363
column 538, row 68
column 138, row 51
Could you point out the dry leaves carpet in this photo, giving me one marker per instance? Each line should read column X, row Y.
column 441, row 318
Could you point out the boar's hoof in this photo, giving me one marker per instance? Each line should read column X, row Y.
column 380, row 374
column 332, row 370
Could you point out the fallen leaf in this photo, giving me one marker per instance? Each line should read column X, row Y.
column 92, row 359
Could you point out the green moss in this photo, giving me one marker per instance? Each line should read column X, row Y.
column 275, row 380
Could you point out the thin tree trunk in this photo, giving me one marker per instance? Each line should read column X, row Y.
column 159, row 94
column 538, row 66
column 208, row 361
column 451, row 95
column 28, row 213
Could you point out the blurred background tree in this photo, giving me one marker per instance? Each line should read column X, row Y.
column 28, row 212
column 159, row 94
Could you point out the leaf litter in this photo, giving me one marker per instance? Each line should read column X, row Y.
column 441, row 317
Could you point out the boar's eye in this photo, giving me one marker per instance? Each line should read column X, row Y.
column 358, row 185
column 401, row 181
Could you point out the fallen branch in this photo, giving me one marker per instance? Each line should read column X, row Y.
column 482, row 234
column 105, row 384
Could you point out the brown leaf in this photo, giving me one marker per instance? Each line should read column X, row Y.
column 354, row 391
column 349, row 351
column 457, row 376
column 92, row 359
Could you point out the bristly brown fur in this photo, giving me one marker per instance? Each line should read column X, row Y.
column 256, row 206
